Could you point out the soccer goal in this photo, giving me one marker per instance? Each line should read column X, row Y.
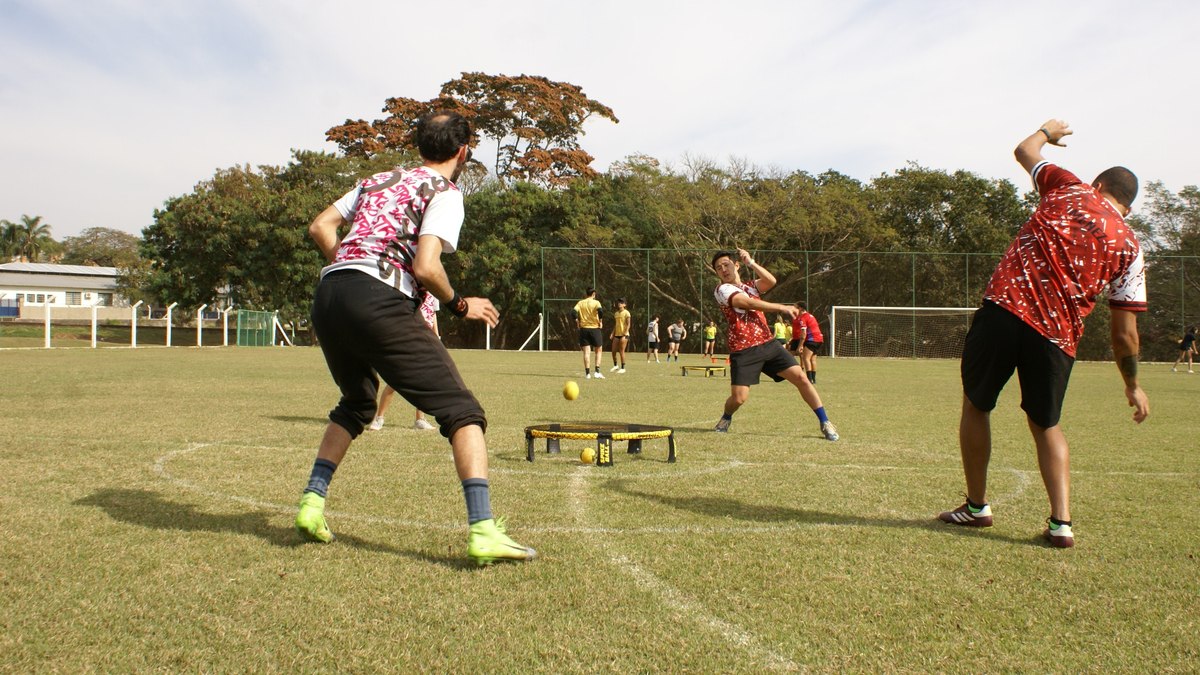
column 899, row 332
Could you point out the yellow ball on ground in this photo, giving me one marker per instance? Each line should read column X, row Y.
column 570, row 390
column 588, row 455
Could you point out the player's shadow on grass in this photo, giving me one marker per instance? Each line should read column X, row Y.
column 724, row 507
column 149, row 509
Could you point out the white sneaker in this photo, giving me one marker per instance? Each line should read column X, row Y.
column 621, row 371
column 599, row 376
column 422, row 425
column 589, row 376
column 376, row 424
column 830, row 431
column 613, row 369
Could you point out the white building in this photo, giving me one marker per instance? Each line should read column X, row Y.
column 62, row 286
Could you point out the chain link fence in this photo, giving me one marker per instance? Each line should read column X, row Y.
column 678, row 284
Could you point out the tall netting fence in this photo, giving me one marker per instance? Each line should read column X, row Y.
column 678, row 284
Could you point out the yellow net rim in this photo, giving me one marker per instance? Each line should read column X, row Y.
column 591, row 435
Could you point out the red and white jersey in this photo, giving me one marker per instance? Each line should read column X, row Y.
column 1074, row 245
column 747, row 327
column 389, row 212
column 808, row 323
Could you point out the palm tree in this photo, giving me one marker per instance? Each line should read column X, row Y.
column 32, row 235
column 8, row 240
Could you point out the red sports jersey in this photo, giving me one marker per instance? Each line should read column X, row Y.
column 747, row 327
column 1073, row 246
column 807, row 322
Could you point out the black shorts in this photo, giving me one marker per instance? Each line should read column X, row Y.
column 590, row 337
column 999, row 343
column 812, row 345
column 769, row 358
column 365, row 327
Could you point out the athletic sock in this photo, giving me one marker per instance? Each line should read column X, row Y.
column 821, row 415
column 479, row 500
column 975, row 508
column 322, row 473
column 727, row 416
column 812, row 376
column 1059, row 523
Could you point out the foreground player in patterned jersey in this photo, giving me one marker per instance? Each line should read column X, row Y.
column 365, row 312
column 753, row 349
column 1074, row 246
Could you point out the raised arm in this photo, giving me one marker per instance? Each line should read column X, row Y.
column 1125, row 349
column 1029, row 152
column 766, row 280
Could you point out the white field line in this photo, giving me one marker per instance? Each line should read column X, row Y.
column 673, row 597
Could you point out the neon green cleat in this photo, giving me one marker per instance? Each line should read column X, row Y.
column 488, row 543
column 310, row 520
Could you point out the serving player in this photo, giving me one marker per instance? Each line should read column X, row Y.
column 1074, row 246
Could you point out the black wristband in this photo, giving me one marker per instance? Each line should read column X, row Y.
column 458, row 305
column 1043, row 130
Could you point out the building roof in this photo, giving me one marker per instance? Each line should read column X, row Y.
column 51, row 268
column 45, row 276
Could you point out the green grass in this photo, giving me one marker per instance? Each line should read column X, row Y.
column 149, row 495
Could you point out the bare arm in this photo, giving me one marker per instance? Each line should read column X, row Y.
column 428, row 269
column 766, row 280
column 324, row 231
column 1029, row 151
column 744, row 301
column 1125, row 347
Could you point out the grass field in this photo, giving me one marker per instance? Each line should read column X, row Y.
column 149, row 496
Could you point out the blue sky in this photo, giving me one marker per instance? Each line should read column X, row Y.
column 111, row 107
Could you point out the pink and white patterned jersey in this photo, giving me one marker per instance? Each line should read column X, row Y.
column 388, row 213
column 747, row 327
column 429, row 308
column 1074, row 245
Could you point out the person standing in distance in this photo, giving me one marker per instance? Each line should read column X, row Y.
column 365, row 312
column 1074, row 246
column 1187, row 347
column 589, row 316
column 806, row 340
column 676, row 334
column 620, row 335
column 753, row 349
column 652, row 339
column 710, row 339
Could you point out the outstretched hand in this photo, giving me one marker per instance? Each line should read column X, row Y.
column 1139, row 403
column 745, row 256
column 1056, row 130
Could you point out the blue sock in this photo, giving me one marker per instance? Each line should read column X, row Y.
column 821, row 415
column 322, row 473
column 479, row 500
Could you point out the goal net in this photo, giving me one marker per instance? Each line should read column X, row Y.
column 899, row 332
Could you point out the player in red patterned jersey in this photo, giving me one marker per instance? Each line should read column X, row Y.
column 1074, row 247
column 753, row 349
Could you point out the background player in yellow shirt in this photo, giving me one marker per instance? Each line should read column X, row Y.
column 620, row 335
column 588, row 317
column 710, row 338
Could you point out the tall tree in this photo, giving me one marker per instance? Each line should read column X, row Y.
column 534, row 122
column 8, row 240
column 101, row 246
